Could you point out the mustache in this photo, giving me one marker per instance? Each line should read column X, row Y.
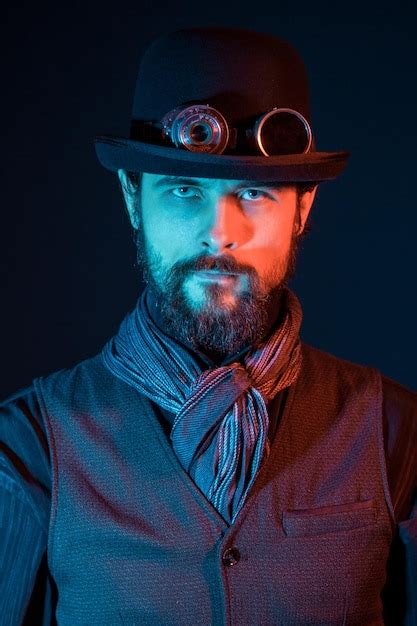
column 222, row 263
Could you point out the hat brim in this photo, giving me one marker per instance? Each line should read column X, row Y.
column 119, row 153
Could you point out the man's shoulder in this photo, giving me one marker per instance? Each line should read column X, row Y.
column 28, row 396
column 19, row 407
column 82, row 369
column 321, row 363
column 86, row 378
column 392, row 389
column 23, row 394
column 328, row 359
column 399, row 400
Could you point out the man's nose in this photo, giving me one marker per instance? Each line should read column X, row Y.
column 224, row 227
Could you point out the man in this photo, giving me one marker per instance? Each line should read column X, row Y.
column 207, row 467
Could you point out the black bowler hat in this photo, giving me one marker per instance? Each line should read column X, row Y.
column 199, row 86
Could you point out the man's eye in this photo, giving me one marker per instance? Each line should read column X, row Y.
column 253, row 194
column 184, row 192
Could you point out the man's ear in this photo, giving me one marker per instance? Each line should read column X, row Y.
column 130, row 194
column 306, row 202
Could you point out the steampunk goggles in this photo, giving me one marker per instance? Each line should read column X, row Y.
column 202, row 128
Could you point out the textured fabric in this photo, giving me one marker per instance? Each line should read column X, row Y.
column 22, row 543
column 22, row 430
column 133, row 539
column 25, row 503
column 221, row 424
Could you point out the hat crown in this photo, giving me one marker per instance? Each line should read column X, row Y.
column 241, row 73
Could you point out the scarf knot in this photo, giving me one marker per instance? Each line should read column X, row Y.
column 234, row 373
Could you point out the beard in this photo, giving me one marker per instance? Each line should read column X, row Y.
column 214, row 328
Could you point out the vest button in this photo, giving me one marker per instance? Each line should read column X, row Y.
column 230, row 557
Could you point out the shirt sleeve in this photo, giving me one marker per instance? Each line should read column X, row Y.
column 25, row 488
column 408, row 535
column 400, row 441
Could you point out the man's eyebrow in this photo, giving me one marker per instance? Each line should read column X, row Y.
column 166, row 181
column 246, row 184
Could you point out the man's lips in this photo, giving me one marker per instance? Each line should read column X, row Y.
column 217, row 275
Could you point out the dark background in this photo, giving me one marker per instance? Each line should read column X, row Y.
column 67, row 256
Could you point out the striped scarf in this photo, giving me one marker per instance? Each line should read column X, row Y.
column 221, row 421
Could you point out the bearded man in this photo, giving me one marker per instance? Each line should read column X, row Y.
column 207, row 466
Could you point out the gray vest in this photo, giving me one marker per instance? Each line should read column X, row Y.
column 134, row 541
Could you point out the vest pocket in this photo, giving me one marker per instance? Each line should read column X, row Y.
column 328, row 519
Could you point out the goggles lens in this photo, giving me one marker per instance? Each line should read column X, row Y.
column 283, row 131
column 200, row 133
column 198, row 128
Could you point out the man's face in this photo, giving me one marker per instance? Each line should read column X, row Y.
column 216, row 253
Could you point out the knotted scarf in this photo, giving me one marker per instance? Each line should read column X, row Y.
column 221, row 421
